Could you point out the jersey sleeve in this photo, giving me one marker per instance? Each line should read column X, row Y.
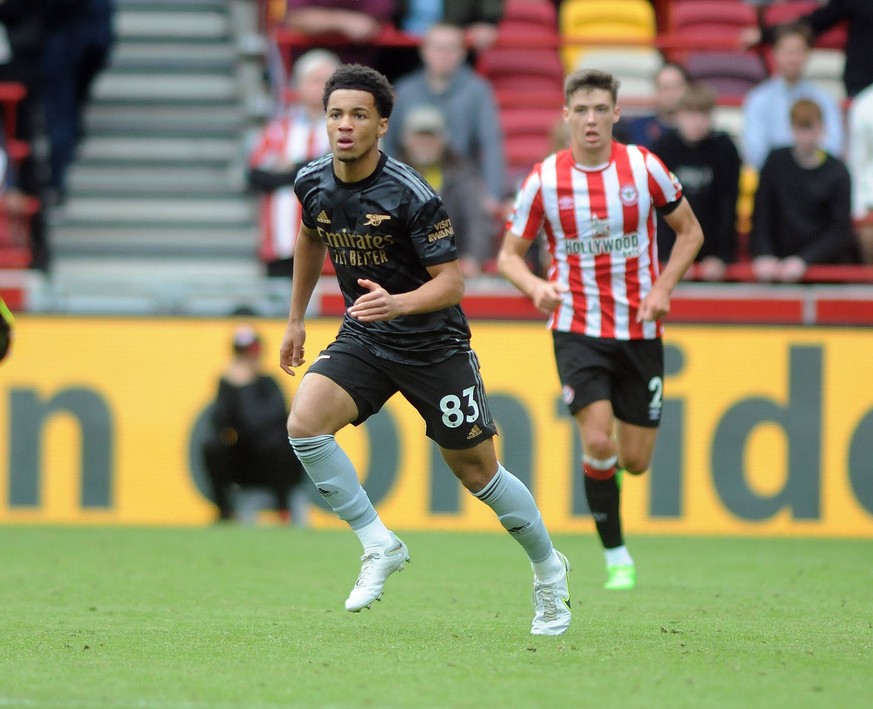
column 305, row 187
column 664, row 186
column 527, row 214
column 432, row 233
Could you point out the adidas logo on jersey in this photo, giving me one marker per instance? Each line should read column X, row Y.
column 475, row 431
column 323, row 218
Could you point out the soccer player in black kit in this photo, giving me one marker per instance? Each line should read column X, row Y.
column 393, row 249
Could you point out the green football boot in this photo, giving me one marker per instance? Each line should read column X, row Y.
column 620, row 577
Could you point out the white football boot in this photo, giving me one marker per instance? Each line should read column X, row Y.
column 552, row 603
column 376, row 567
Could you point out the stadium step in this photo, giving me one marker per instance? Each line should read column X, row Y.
column 167, row 87
column 159, row 177
column 93, row 180
column 99, row 243
column 206, row 285
column 158, row 150
column 213, row 210
column 135, row 56
column 111, row 119
column 168, row 22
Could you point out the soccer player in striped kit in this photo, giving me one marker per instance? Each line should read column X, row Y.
column 604, row 294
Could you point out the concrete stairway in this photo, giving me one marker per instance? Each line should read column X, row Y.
column 157, row 201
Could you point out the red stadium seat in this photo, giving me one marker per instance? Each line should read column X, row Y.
column 533, row 71
column 15, row 234
column 712, row 18
column 524, row 67
column 524, row 20
column 706, row 23
column 528, row 136
column 729, row 74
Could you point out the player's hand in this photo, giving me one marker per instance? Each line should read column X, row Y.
column 377, row 304
column 548, row 295
column 655, row 306
column 291, row 351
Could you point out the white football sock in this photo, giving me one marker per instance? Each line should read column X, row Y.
column 619, row 556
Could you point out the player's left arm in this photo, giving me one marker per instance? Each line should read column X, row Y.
column 689, row 239
column 444, row 289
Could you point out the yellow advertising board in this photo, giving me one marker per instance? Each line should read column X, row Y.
column 765, row 430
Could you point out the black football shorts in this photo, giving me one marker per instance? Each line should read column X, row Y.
column 449, row 395
column 628, row 373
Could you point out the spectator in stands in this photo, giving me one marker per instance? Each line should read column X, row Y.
column 671, row 82
column 860, row 161
column 478, row 18
column 425, row 147
column 766, row 108
column 24, row 23
column 15, row 208
column 358, row 21
column 708, row 166
column 75, row 50
column 248, row 447
column 465, row 99
column 858, row 14
column 286, row 144
column 802, row 205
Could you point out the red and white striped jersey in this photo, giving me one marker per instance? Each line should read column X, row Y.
column 600, row 224
column 294, row 138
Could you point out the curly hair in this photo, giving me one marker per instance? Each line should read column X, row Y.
column 358, row 77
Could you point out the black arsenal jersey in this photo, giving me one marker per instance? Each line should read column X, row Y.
column 386, row 228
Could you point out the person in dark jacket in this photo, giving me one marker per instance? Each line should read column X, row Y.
column 707, row 164
column 25, row 24
column 802, row 207
column 249, row 447
column 75, row 50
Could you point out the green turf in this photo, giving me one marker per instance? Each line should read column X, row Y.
column 253, row 618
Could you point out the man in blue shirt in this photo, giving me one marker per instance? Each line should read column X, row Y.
column 767, row 106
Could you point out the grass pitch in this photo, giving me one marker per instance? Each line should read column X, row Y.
column 230, row 617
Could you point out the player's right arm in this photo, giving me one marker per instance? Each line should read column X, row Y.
column 545, row 295
column 521, row 230
column 308, row 262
